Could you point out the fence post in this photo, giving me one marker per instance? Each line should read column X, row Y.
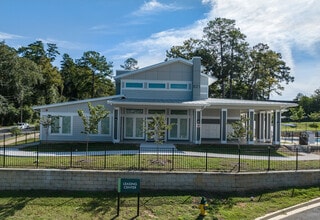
column 71, row 155
column 269, row 155
column 16, row 140
column 206, row 160
column 172, row 167
column 105, row 157
column 4, row 150
column 239, row 158
column 297, row 150
column 34, row 136
column 26, row 138
column 37, row 162
column 139, row 159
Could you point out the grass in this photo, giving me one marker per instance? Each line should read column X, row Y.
column 65, row 205
column 300, row 126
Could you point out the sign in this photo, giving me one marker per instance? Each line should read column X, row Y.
column 128, row 185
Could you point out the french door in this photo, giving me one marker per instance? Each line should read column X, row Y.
column 133, row 127
column 180, row 128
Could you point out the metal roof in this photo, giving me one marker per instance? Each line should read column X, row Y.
column 206, row 103
column 76, row 102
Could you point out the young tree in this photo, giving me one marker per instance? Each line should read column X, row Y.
column 240, row 130
column 156, row 129
column 46, row 122
column 91, row 121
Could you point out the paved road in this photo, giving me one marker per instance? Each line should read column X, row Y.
column 310, row 214
column 305, row 211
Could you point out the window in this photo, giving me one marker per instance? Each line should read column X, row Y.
column 156, row 85
column 156, row 111
column 179, row 112
column 61, row 125
column 134, row 85
column 105, row 126
column 183, row 86
column 134, row 111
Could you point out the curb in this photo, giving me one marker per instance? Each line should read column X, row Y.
column 286, row 210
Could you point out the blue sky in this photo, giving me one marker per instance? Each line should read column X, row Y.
column 145, row 29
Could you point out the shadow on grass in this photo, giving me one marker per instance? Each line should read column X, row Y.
column 12, row 206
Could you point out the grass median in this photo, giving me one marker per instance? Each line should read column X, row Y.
column 153, row 204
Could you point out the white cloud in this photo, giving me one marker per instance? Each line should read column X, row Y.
column 283, row 25
column 153, row 6
column 63, row 44
column 280, row 24
column 153, row 49
column 6, row 36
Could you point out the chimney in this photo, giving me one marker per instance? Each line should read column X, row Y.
column 196, row 81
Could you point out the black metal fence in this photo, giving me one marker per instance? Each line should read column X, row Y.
column 17, row 139
column 218, row 159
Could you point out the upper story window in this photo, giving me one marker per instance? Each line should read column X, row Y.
column 156, row 85
column 134, row 85
column 183, row 86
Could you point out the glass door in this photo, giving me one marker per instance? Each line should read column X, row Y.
column 179, row 129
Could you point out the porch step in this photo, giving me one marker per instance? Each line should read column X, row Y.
column 149, row 145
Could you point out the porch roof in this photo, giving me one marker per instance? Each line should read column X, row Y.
column 206, row 103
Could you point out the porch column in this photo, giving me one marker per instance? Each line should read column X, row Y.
column 262, row 126
column 276, row 127
column 250, row 127
column 223, row 125
column 198, row 118
column 116, row 125
column 268, row 127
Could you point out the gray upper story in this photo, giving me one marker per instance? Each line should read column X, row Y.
column 176, row 79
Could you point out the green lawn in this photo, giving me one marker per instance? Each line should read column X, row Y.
column 300, row 126
column 153, row 204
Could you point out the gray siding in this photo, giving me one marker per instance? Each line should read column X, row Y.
column 77, row 124
column 173, row 72
column 157, row 94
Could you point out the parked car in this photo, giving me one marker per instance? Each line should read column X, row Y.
column 22, row 125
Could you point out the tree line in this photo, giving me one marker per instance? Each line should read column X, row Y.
column 242, row 72
column 28, row 76
column 308, row 108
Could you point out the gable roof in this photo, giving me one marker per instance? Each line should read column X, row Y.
column 165, row 63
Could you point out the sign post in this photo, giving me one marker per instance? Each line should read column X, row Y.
column 128, row 186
